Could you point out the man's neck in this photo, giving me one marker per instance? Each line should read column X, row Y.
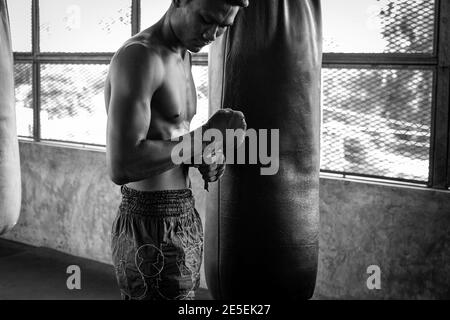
column 169, row 36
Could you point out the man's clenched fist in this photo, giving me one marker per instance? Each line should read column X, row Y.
column 213, row 172
column 228, row 119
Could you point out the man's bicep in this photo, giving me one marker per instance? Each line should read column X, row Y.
column 128, row 120
column 128, row 124
column 135, row 78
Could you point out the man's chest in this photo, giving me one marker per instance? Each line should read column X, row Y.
column 176, row 100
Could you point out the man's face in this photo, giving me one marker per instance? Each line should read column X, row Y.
column 197, row 23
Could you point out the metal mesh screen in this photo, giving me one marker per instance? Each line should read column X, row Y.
column 72, row 103
column 24, row 99
column 408, row 25
column 200, row 74
column 377, row 122
column 379, row 26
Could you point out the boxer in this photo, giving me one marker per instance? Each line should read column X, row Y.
column 157, row 236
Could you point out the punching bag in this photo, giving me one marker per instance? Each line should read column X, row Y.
column 10, row 185
column 262, row 231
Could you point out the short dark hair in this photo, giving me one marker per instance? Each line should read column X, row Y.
column 240, row 3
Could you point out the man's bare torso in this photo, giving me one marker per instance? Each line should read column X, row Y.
column 173, row 106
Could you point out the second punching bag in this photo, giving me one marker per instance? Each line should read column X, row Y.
column 10, row 187
column 262, row 231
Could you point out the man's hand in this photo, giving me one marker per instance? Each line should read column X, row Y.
column 213, row 172
column 226, row 119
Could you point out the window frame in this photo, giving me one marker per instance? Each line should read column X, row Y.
column 439, row 63
column 36, row 58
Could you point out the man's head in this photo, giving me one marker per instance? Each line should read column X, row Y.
column 197, row 23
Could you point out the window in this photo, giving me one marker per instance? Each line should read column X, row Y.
column 62, row 52
column 383, row 61
column 386, row 79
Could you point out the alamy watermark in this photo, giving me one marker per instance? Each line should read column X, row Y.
column 235, row 151
column 374, row 280
column 74, row 280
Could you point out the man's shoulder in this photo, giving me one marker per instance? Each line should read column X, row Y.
column 139, row 49
column 138, row 56
column 138, row 61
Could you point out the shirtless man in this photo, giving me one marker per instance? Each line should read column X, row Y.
column 157, row 236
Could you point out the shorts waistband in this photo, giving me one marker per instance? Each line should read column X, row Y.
column 164, row 203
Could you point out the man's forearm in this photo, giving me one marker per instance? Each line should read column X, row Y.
column 150, row 158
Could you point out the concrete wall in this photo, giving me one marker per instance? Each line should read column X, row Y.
column 403, row 230
column 69, row 205
column 68, row 202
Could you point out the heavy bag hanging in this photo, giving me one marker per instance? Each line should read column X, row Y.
column 10, row 187
column 262, row 231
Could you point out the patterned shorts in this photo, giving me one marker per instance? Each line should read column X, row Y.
column 157, row 245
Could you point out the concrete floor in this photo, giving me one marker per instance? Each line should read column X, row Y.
column 32, row 273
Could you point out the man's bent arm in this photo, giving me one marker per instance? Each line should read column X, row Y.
column 135, row 76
